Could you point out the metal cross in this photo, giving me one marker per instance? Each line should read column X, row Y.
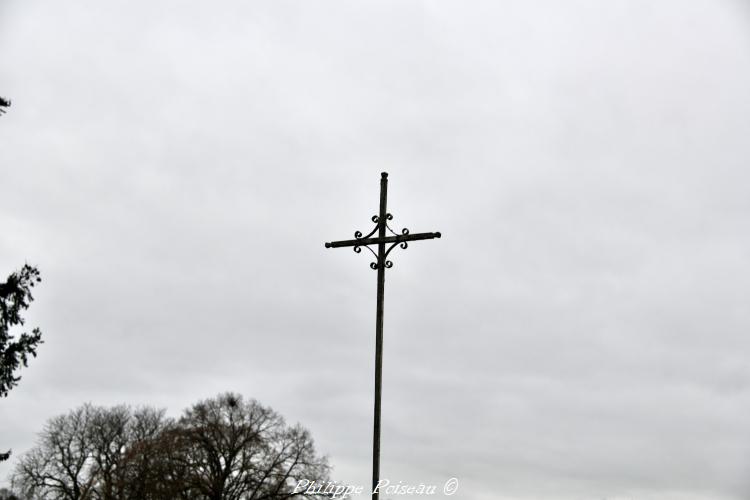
column 380, row 264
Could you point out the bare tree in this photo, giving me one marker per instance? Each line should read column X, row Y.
column 232, row 449
column 108, row 437
column 87, row 454
column 59, row 467
column 141, row 474
column 224, row 448
column 115, row 433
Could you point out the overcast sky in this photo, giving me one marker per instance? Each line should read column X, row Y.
column 582, row 329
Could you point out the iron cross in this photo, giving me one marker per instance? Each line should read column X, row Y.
column 380, row 264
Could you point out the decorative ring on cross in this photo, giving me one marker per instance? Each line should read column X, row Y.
column 402, row 244
column 388, row 217
column 358, row 249
column 358, row 234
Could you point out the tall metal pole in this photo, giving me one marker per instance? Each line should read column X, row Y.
column 401, row 240
column 379, row 336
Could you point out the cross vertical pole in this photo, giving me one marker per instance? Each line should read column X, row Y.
column 401, row 240
column 379, row 336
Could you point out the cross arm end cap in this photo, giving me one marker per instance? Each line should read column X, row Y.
column 438, row 235
column 328, row 245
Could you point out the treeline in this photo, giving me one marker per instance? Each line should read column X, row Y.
column 223, row 448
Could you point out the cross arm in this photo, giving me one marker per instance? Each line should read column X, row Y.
column 388, row 239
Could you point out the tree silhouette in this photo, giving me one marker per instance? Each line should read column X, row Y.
column 15, row 297
column 224, row 448
column 59, row 467
column 234, row 449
